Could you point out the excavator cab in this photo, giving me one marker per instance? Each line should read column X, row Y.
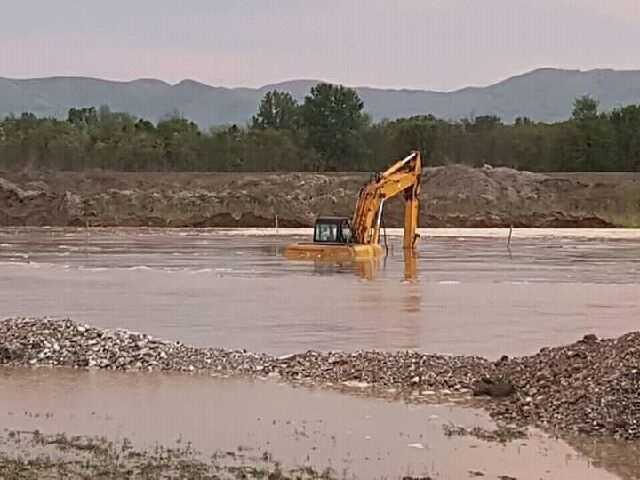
column 333, row 241
column 332, row 230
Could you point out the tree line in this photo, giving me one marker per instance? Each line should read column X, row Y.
column 328, row 131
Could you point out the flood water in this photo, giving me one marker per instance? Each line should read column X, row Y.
column 366, row 438
column 468, row 294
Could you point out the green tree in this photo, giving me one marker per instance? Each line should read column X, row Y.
column 626, row 124
column 334, row 133
column 585, row 109
column 333, row 115
column 596, row 149
column 143, row 125
column 180, row 137
column 109, row 121
column 422, row 132
column 278, row 110
column 82, row 116
column 484, row 122
column 522, row 121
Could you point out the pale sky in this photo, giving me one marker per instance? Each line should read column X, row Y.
column 431, row 44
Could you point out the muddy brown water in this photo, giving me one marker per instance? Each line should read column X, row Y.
column 366, row 438
column 233, row 288
column 468, row 294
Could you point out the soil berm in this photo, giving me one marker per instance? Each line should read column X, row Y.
column 452, row 196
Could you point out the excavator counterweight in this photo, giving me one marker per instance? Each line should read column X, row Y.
column 337, row 238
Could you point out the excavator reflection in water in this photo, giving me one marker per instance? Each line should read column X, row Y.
column 367, row 269
column 338, row 239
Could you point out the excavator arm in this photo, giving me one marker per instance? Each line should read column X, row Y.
column 402, row 177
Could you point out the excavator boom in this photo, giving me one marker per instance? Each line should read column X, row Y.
column 402, row 177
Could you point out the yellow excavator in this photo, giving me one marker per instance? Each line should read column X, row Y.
column 336, row 238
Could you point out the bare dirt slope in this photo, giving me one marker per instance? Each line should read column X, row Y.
column 453, row 196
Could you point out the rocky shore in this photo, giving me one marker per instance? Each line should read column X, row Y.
column 590, row 387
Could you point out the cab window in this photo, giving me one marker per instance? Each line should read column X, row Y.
column 346, row 233
column 326, row 232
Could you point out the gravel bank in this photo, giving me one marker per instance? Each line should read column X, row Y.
column 591, row 386
column 29, row 341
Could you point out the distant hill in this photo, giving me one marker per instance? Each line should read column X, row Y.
column 542, row 95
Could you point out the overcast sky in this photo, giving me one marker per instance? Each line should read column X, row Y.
column 434, row 44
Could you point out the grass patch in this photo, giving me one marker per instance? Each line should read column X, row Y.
column 503, row 434
column 27, row 455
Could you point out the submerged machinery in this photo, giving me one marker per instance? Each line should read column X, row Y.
column 358, row 238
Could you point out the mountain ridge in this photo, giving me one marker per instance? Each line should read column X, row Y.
column 544, row 94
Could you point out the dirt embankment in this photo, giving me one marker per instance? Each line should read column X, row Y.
column 453, row 196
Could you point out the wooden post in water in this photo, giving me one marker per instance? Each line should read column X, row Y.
column 276, row 224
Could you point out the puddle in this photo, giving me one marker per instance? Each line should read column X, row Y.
column 367, row 438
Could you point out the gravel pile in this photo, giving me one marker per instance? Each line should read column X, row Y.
column 404, row 373
column 591, row 386
column 28, row 341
